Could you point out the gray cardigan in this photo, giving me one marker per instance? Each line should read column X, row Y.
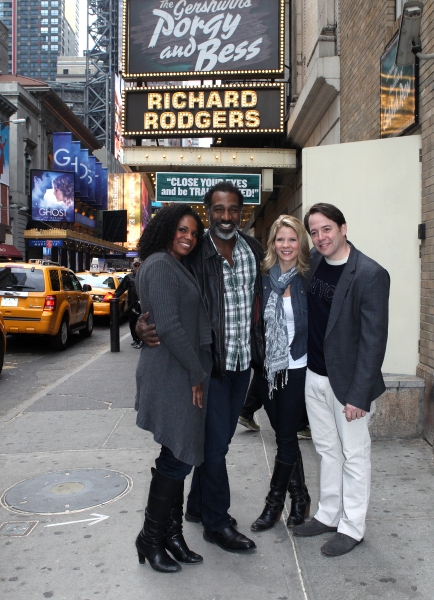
column 166, row 373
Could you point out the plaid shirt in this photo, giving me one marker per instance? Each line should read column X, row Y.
column 239, row 282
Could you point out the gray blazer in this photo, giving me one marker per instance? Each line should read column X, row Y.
column 356, row 335
column 166, row 373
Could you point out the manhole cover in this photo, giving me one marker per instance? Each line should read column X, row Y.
column 17, row 528
column 66, row 491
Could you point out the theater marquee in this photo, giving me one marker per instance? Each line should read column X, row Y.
column 182, row 38
column 194, row 111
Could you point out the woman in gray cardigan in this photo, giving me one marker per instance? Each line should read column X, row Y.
column 172, row 379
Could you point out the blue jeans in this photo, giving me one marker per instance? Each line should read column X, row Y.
column 285, row 410
column 210, row 494
column 168, row 465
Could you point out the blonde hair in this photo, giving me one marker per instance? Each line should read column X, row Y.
column 303, row 252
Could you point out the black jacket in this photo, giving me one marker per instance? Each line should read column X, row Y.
column 206, row 265
column 128, row 284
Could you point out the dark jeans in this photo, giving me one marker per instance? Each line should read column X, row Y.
column 285, row 411
column 170, row 466
column 132, row 320
column 255, row 399
column 210, row 494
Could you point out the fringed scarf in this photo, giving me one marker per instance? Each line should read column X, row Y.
column 276, row 332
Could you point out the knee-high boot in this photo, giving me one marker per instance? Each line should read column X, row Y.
column 300, row 499
column 150, row 542
column 173, row 537
column 275, row 500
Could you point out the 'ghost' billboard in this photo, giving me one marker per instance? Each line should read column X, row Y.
column 52, row 195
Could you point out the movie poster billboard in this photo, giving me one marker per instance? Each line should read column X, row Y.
column 216, row 37
column 52, row 195
column 4, row 154
column 398, row 102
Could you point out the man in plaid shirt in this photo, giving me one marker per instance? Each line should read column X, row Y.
column 227, row 269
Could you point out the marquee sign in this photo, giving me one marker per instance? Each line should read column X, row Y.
column 194, row 111
column 174, row 39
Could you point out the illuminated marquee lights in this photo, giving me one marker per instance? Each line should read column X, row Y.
column 207, row 110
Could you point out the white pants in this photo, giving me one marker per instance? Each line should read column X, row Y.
column 345, row 451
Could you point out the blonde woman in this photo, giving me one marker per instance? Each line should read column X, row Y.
column 284, row 308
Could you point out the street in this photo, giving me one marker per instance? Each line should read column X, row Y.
column 74, row 473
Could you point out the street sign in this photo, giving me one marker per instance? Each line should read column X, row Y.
column 192, row 187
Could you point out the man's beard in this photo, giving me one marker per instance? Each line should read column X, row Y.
column 221, row 234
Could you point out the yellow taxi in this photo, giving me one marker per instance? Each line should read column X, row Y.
column 2, row 342
column 44, row 299
column 103, row 287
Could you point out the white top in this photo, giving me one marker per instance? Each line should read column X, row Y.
column 289, row 313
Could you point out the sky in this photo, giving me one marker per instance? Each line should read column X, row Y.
column 82, row 26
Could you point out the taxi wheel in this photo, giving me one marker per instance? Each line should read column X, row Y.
column 60, row 340
column 87, row 331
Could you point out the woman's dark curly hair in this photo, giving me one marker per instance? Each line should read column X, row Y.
column 160, row 232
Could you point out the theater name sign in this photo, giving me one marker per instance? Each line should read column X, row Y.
column 194, row 111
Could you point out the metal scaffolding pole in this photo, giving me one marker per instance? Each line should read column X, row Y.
column 101, row 67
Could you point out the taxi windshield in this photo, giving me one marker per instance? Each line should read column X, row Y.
column 101, row 281
column 18, row 279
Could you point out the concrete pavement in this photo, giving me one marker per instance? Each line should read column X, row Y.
column 86, row 421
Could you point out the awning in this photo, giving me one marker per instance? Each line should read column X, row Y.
column 9, row 251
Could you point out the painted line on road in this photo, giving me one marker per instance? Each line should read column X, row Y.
column 12, row 414
column 286, row 514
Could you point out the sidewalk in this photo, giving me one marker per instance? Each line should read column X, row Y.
column 79, row 439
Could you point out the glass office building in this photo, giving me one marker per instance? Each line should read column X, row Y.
column 39, row 32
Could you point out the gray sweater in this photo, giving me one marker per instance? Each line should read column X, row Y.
column 166, row 373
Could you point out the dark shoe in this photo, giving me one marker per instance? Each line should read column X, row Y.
column 150, row 542
column 195, row 518
column 300, row 499
column 275, row 500
column 304, row 434
column 229, row 539
column 311, row 528
column 249, row 423
column 173, row 536
column 340, row 544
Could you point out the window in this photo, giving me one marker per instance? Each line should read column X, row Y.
column 44, row 21
column 5, row 4
column 54, row 48
column 44, row 38
column 44, row 4
column 54, row 38
column 44, row 29
column 66, row 71
column 34, row 38
column 24, row 38
column 67, row 281
column 55, row 280
column 54, row 30
column 54, row 4
column 44, row 47
column 34, row 65
column 55, row 21
column 54, row 13
column 34, row 74
column 44, row 13
column 21, row 279
column 44, row 74
column 44, row 65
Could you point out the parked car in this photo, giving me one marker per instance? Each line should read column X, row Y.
column 103, row 287
column 2, row 342
column 44, row 299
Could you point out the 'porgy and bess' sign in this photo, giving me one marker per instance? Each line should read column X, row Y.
column 192, row 187
column 398, row 94
column 169, row 39
column 169, row 111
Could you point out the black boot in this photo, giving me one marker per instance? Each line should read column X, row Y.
column 275, row 500
column 173, row 538
column 300, row 499
column 150, row 541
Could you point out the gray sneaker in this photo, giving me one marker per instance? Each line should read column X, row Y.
column 249, row 423
column 304, row 434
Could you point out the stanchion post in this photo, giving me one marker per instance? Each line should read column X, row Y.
column 115, row 345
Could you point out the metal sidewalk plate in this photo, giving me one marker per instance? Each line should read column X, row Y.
column 67, row 491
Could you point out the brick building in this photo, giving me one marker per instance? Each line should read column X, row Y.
column 337, row 48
